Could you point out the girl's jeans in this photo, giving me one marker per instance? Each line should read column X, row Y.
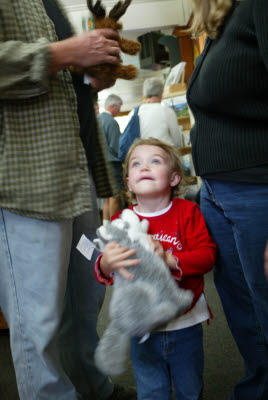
column 175, row 356
column 237, row 217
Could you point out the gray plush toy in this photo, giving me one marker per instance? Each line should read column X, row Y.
column 139, row 305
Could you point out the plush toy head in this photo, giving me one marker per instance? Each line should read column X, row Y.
column 139, row 305
column 127, row 46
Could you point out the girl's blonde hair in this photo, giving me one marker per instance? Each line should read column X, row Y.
column 208, row 16
column 175, row 165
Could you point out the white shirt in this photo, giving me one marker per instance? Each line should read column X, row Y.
column 199, row 313
column 160, row 122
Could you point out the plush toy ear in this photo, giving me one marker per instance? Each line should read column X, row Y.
column 119, row 9
column 144, row 225
column 103, row 234
column 130, row 217
column 118, row 223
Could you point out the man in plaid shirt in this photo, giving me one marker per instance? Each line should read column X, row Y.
column 44, row 184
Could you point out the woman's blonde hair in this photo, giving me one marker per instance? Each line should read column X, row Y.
column 175, row 165
column 208, row 16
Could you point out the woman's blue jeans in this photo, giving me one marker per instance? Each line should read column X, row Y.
column 237, row 217
column 165, row 357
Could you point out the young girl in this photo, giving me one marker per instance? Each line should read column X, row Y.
column 153, row 172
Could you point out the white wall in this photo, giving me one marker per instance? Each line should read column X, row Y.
column 141, row 16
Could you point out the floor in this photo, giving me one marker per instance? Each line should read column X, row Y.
column 223, row 364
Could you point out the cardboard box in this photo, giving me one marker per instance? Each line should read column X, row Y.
column 175, row 89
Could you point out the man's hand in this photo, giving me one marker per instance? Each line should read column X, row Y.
column 116, row 258
column 90, row 48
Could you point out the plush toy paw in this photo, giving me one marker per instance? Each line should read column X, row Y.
column 111, row 353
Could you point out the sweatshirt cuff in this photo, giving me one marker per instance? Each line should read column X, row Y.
column 101, row 278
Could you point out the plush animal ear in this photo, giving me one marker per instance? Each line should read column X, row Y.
column 97, row 10
column 103, row 234
column 118, row 223
column 129, row 216
column 145, row 225
column 119, row 9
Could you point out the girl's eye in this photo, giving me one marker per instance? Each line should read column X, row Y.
column 155, row 161
column 135, row 164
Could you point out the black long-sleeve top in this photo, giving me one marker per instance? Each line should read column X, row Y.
column 228, row 95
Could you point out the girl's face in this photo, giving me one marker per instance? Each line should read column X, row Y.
column 149, row 172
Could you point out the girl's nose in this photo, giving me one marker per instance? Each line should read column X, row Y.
column 145, row 167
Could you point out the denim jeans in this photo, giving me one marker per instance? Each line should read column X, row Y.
column 84, row 297
column 165, row 357
column 34, row 257
column 237, row 217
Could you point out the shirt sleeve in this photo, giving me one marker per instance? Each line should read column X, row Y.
column 104, row 280
column 199, row 257
column 260, row 18
column 24, row 68
column 173, row 127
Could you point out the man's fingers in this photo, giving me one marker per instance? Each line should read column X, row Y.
column 111, row 60
column 109, row 33
column 113, row 44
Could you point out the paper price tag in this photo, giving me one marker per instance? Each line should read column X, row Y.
column 86, row 247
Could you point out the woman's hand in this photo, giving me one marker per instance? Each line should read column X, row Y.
column 116, row 258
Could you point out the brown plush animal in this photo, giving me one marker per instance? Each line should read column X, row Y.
column 131, row 47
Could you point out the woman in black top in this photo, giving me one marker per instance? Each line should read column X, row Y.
column 228, row 95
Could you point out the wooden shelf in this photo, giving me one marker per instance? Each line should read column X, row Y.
column 185, row 150
column 185, row 122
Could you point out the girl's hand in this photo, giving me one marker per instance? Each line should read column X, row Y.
column 157, row 247
column 170, row 260
column 116, row 258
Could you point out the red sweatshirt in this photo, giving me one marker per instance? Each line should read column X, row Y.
column 181, row 230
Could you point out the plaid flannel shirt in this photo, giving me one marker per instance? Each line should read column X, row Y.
column 43, row 167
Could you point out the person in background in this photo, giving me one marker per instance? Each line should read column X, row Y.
column 156, row 119
column 227, row 94
column 153, row 173
column 40, row 129
column 111, row 133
